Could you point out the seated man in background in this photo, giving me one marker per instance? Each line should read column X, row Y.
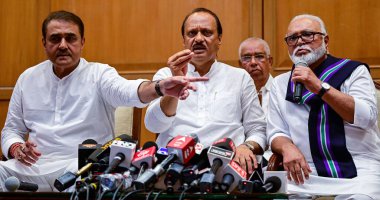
column 329, row 141
column 255, row 58
column 66, row 100
column 226, row 106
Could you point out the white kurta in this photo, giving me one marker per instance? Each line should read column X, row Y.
column 362, row 137
column 225, row 106
column 265, row 91
column 59, row 114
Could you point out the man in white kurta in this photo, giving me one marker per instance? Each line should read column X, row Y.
column 226, row 106
column 65, row 100
column 354, row 101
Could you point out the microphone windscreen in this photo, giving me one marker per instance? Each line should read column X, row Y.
column 225, row 143
column 12, row 183
column 89, row 141
column 301, row 63
column 276, row 183
column 149, row 144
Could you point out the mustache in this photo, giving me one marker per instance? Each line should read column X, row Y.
column 198, row 46
column 302, row 47
column 63, row 53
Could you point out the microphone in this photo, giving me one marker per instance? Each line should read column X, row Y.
column 172, row 176
column 68, row 179
column 181, row 148
column 233, row 173
column 145, row 158
column 297, row 96
column 192, row 172
column 122, row 153
column 253, row 184
column 272, row 184
column 12, row 184
column 219, row 154
column 84, row 150
column 105, row 149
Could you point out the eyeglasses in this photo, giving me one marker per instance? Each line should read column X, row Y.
column 257, row 57
column 307, row 36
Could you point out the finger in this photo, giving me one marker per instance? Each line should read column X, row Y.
column 249, row 164
column 242, row 162
column 32, row 148
column 305, row 169
column 21, row 158
column 184, row 95
column 181, row 62
column 298, row 173
column 254, row 160
column 29, row 159
column 196, row 79
column 286, row 168
column 177, row 56
column 191, row 87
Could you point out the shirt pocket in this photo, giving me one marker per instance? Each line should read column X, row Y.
column 225, row 107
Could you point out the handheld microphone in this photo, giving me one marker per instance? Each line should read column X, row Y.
column 233, row 173
column 84, row 150
column 192, row 172
column 12, row 184
column 219, row 154
column 145, row 158
column 297, row 96
column 122, row 153
column 272, row 184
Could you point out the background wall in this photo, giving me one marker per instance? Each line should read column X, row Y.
column 137, row 36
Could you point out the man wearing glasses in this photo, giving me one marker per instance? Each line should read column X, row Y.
column 255, row 58
column 330, row 140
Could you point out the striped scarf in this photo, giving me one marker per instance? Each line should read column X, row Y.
column 326, row 128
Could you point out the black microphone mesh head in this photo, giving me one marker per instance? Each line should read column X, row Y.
column 89, row 141
column 149, row 144
column 276, row 183
column 225, row 143
column 126, row 138
column 12, row 183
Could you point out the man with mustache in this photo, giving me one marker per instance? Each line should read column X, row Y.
column 66, row 100
column 226, row 106
column 330, row 140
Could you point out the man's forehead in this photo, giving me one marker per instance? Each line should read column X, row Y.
column 200, row 18
column 253, row 46
column 303, row 24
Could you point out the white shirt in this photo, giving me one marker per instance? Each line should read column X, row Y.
column 265, row 91
column 59, row 113
column 362, row 137
column 225, row 106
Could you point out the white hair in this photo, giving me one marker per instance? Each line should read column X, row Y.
column 263, row 42
column 311, row 17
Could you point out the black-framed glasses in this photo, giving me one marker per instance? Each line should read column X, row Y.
column 257, row 57
column 306, row 36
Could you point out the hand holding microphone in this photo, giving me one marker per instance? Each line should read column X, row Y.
column 297, row 96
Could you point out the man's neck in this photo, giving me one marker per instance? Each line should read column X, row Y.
column 318, row 62
column 260, row 83
column 62, row 71
column 203, row 68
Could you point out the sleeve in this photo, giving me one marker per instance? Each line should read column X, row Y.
column 155, row 119
column 360, row 86
column 118, row 91
column 14, row 129
column 253, row 116
column 276, row 126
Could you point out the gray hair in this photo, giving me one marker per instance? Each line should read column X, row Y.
column 263, row 42
column 314, row 18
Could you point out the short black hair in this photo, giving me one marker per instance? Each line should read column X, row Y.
column 65, row 16
column 197, row 10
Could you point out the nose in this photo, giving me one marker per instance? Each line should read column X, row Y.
column 199, row 37
column 63, row 44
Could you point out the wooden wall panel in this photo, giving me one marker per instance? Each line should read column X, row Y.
column 353, row 27
column 134, row 36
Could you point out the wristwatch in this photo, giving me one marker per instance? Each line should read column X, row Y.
column 158, row 89
column 324, row 89
column 250, row 146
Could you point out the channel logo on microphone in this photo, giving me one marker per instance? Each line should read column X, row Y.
column 183, row 147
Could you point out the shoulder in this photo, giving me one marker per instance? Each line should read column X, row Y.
column 232, row 70
column 281, row 79
column 162, row 73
